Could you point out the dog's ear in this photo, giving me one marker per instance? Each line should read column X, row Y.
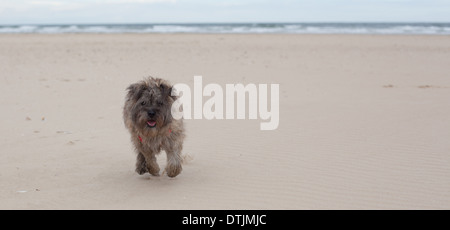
column 135, row 91
column 167, row 90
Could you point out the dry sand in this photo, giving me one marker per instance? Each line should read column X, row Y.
column 364, row 122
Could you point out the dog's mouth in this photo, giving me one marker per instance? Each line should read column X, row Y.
column 151, row 123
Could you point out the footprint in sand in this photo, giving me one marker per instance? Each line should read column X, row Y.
column 427, row 86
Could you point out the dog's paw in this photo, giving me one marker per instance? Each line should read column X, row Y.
column 141, row 169
column 173, row 170
column 153, row 169
column 155, row 173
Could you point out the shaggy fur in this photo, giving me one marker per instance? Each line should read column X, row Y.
column 147, row 115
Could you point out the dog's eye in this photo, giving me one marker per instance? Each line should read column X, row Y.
column 160, row 103
column 143, row 103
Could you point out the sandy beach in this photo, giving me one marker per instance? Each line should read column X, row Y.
column 364, row 122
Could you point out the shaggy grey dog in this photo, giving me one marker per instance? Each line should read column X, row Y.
column 147, row 115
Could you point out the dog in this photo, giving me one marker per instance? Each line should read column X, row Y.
column 147, row 116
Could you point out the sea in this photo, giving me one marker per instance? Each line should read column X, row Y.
column 235, row 28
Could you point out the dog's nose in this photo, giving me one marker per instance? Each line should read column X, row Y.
column 151, row 113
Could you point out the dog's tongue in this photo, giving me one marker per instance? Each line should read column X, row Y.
column 151, row 123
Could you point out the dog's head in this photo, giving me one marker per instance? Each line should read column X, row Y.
column 148, row 105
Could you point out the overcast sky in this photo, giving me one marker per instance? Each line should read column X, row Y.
column 207, row 11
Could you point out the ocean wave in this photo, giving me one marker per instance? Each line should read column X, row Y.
column 289, row 28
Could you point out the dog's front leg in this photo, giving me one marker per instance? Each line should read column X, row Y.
column 173, row 167
column 150, row 163
column 141, row 165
